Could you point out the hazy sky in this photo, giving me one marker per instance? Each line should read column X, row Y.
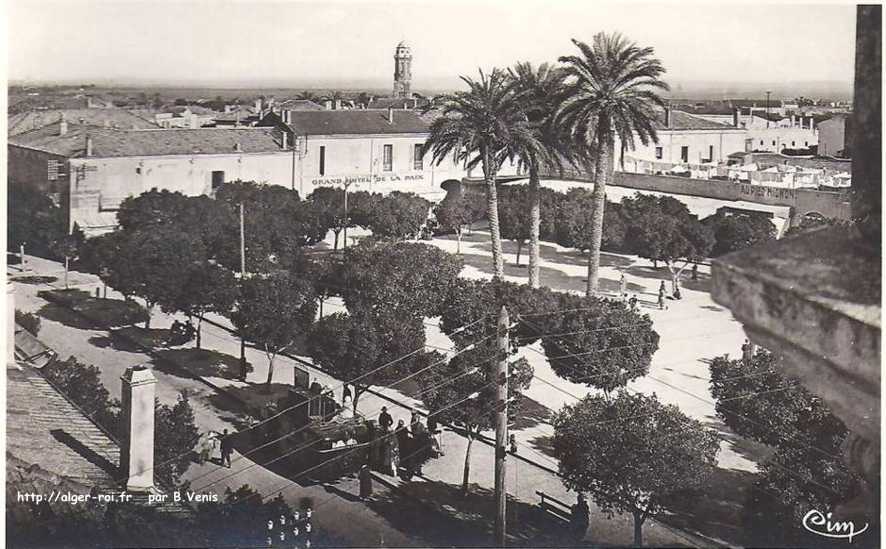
column 226, row 42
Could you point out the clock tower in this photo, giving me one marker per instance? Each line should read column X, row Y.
column 402, row 70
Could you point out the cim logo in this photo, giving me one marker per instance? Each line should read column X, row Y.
column 822, row 525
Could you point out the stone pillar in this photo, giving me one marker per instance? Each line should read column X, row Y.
column 865, row 141
column 10, row 322
column 137, row 444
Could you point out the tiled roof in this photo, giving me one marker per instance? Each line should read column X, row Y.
column 299, row 105
column 684, row 121
column 116, row 143
column 398, row 103
column 43, row 428
column 27, row 121
column 353, row 122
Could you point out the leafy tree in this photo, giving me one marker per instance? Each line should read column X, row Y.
column 604, row 344
column 104, row 256
column 399, row 215
column 611, row 91
column 806, row 471
column 361, row 209
column 160, row 260
column 411, row 278
column 33, row 219
column 455, row 213
column 466, row 318
column 273, row 310
column 573, row 222
column 463, row 391
column 175, row 434
column 276, row 225
column 737, row 232
column 482, row 127
column 329, row 202
column 68, row 247
column 662, row 229
column 28, row 321
column 82, row 384
column 208, row 288
column 513, row 201
column 539, row 92
column 350, row 346
column 327, row 274
column 632, row 454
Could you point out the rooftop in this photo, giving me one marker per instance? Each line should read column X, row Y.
column 684, row 121
column 27, row 121
column 44, row 429
column 121, row 143
column 352, row 122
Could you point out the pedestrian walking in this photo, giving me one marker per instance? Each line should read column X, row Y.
column 633, row 302
column 384, row 419
column 365, row 483
column 346, row 393
column 661, row 288
column 661, row 299
column 227, row 448
column 580, row 518
column 695, row 271
column 677, row 294
column 436, row 435
column 623, row 287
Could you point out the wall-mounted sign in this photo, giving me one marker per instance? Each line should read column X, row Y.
column 361, row 181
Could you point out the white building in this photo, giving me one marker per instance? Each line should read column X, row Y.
column 770, row 133
column 686, row 139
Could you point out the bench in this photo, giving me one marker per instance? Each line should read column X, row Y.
column 554, row 506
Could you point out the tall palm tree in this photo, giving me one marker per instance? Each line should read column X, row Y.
column 612, row 92
column 539, row 91
column 482, row 126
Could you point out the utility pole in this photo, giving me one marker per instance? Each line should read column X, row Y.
column 242, row 275
column 501, row 426
column 345, row 235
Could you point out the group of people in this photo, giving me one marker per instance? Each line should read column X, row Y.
column 662, row 293
column 212, row 442
column 181, row 332
column 406, row 447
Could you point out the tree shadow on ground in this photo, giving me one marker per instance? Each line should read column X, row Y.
column 64, row 315
column 703, row 284
column 530, row 413
column 132, row 339
column 78, row 309
column 717, row 512
column 543, row 444
column 199, row 362
column 551, row 254
column 445, row 518
column 35, row 279
column 748, row 449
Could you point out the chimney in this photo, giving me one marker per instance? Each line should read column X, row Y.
column 327, row 105
column 10, row 322
column 414, row 102
column 667, row 117
column 811, row 123
column 735, row 117
column 137, row 444
column 258, row 106
column 237, row 147
column 794, row 121
column 88, row 146
column 390, row 115
column 62, row 126
column 337, row 104
column 285, row 139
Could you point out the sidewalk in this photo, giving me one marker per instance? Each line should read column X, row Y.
column 523, row 479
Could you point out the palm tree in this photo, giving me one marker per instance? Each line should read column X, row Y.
column 612, row 91
column 483, row 126
column 539, row 91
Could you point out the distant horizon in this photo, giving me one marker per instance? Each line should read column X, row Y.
column 720, row 49
column 679, row 90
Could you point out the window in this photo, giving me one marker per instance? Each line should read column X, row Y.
column 417, row 158
column 388, row 158
column 761, row 141
column 684, row 154
column 710, row 153
column 658, row 153
column 218, row 178
column 322, row 160
column 793, row 143
column 773, row 143
column 806, row 143
column 138, row 171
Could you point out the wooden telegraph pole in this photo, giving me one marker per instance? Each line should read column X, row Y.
column 501, row 426
column 242, row 274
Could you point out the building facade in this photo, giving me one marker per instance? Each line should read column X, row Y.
column 832, row 136
column 92, row 170
column 686, row 139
